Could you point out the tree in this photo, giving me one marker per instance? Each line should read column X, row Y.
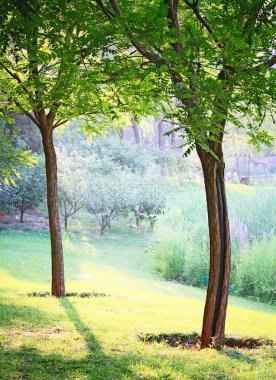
column 12, row 155
column 72, row 183
column 107, row 197
column 136, row 131
column 147, row 199
column 53, row 56
column 28, row 190
column 215, row 61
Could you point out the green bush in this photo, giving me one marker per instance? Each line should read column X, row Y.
column 256, row 271
column 182, row 251
column 169, row 255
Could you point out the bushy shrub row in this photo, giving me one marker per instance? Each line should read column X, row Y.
column 182, row 249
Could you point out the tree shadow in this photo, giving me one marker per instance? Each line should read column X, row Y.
column 24, row 317
column 237, row 355
column 27, row 362
column 92, row 344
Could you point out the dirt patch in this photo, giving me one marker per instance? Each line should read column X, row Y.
column 192, row 341
column 50, row 334
column 69, row 294
column 31, row 221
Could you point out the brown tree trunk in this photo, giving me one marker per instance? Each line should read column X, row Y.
column 22, row 214
column 213, row 328
column 135, row 131
column 58, row 287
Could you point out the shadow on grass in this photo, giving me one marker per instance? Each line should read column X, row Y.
column 12, row 316
column 237, row 355
column 30, row 364
column 93, row 346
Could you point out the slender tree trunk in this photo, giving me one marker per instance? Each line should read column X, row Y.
column 238, row 168
column 22, row 214
column 58, row 286
column 121, row 133
column 135, row 131
column 213, row 328
column 103, row 225
column 66, row 222
column 173, row 139
column 161, row 139
column 248, row 168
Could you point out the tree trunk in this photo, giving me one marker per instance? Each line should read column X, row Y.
column 161, row 139
column 135, row 131
column 121, row 133
column 58, row 287
column 213, row 328
column 66, row 222
column 173, row 139
column 22, row 214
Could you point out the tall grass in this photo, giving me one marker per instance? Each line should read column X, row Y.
column 182, row 248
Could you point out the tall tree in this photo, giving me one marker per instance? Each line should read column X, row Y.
column 215, row 59
column 51, row 60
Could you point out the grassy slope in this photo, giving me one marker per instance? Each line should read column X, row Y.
column 96, row 338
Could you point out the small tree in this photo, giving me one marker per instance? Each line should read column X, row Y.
column 71, row 185
column 12, row 155
column 29, row 189
column 148, row 199
column 107, row 197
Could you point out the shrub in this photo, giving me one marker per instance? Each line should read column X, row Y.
column 256, row 271
column 28, row 190
column 182, row 251
column 169, row 255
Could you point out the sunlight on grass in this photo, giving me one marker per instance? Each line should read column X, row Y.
column 97, row 338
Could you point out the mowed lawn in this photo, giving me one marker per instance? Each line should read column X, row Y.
column 98, row 338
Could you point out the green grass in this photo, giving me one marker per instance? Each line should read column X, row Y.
column 97, row 338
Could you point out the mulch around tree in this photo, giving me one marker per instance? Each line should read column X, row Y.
column 192, row 341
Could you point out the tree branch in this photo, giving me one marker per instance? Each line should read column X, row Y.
column 28, row 114
column 172, row 15
column 269, row 63
column 59, row 122
column 152, row 57
column 17, row 78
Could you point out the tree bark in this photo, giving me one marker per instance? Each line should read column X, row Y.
column 66, row 222
column 161, row 139
column 22, row 214
column 213, row 328
column 135, row 131
column 173, row 139
column 58, row 286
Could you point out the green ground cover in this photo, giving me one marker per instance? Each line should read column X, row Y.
column 97, row 338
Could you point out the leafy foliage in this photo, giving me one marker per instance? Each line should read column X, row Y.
column 255, row 273
column 12, row 155
column 29, row 189
column 71, row 185
column 181, row 252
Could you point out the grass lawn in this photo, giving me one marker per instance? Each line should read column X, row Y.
column 97, row 338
